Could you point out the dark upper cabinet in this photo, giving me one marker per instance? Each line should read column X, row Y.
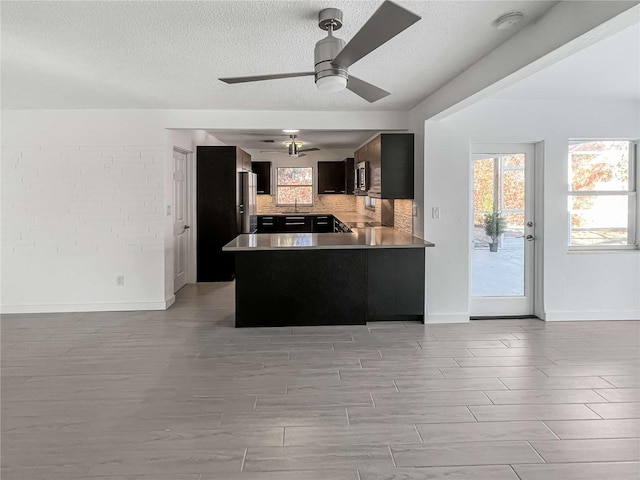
column 244, row 160
column 390, row 157
column 218, row 199
column 263, row 171
column 331, row 177
column 349, row 176
column 336, row 177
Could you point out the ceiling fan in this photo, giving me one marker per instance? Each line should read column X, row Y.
column 333, row 57
column 293, row 148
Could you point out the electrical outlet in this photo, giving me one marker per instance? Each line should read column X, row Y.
column 120, row 280
column 435, row 212
column 415, row 210
column 168, row 210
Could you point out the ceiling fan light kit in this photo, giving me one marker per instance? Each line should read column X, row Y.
column 333, row 57
column 329, row 77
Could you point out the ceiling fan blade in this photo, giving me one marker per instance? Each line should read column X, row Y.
column 314, row 149
column 387, row 22
column 258, row 78
column 369, row 92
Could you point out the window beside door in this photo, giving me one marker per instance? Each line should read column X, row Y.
column 294, row 186
column 602, row 203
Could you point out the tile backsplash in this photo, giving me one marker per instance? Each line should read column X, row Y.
column 402, row 209
column 403, row 215
column 321, row 203
column 375, row 215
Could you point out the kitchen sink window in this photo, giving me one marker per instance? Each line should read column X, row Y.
column 295, row 186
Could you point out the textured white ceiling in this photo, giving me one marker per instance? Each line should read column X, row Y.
column 169, row 54
column 609, row 69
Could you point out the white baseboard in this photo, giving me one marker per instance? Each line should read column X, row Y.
column 85, row 307
column 446, row 318
column 585, row 316
column 169, row 301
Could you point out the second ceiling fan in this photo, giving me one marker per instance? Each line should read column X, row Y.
column 333, row 57
column 293, row 148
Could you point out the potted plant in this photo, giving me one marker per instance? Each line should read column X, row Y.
column 494, row 227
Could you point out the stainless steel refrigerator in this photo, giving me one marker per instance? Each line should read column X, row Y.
column 248, row 216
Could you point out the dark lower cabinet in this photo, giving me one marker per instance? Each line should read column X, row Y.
column 267, row 224
column 328, row 286
column 322, row 224
column 395, row 283
column 300, row 224
column 294, row 223
column 313, row 287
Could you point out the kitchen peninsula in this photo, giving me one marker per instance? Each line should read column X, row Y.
column 285, row 279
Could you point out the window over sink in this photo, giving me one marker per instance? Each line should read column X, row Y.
column 294, row 186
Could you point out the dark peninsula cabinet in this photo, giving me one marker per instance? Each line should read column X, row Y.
column 390, row 157
column 263, row 172
column 218, row 199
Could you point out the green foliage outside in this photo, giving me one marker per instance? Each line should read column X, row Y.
column 494, row 225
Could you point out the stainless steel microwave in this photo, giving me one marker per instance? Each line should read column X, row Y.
column 361, row 177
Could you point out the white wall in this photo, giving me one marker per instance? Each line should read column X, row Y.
column 81, row 204
column 576, row 285
column 84, row 196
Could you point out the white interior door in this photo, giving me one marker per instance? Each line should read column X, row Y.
column 502, row 264
column 180, row 225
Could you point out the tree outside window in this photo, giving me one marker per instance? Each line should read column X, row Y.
column 602, row 193
column 294, row 186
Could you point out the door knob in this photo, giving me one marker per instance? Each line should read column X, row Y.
column 529, row 238
column 186, row 227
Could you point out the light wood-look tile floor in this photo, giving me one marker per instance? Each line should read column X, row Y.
column 182, row 395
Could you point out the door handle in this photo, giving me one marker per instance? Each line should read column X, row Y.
column 186, row 227
column 529, row 238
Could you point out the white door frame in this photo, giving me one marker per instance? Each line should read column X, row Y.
column 508, row 306
column 188, row 208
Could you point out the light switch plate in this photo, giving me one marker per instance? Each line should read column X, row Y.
column 435, row 212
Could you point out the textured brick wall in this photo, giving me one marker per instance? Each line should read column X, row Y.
column 321, row 203
column 82, row 198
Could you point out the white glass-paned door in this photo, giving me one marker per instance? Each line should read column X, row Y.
column 502, row 230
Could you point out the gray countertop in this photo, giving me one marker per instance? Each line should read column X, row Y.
column 372, row 237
